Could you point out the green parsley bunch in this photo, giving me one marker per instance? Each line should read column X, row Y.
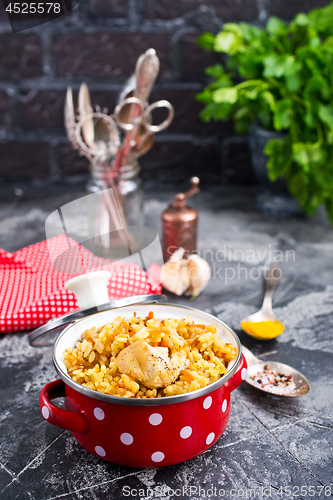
column 282, row 77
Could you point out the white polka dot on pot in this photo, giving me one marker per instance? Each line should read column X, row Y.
column 100, row 451
column 186, row 432
column 155, row 419
column 207, row 402
column 224, row 405
column 210, row 438
column 99, row 413
column 243, row 373
column 126, row 438
column 158, row 456
column 45, row 412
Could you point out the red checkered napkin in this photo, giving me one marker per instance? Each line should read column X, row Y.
column 32, row 291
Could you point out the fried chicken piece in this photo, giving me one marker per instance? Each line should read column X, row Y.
column 151, row 365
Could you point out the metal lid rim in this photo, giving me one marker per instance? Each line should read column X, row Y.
column 152, row 401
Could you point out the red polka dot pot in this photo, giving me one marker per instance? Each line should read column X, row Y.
column 142, row 432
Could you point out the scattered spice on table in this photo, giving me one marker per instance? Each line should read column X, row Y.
column 274, row 382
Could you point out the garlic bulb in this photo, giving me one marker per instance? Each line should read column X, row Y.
column 199, row 274
column 185, row 275
column 176, row 276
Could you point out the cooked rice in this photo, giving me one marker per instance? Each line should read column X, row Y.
column 92, row 362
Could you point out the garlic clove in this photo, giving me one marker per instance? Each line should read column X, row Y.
column 176, row 276
column 199, row 273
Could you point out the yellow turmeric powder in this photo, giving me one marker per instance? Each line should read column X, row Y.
column 263, row 330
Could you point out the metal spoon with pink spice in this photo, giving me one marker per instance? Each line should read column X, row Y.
column 274, row 377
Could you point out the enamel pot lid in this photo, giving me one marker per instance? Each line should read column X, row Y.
column 46, row 334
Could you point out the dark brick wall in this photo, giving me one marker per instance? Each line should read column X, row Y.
column 228, row 10
column 99, row 42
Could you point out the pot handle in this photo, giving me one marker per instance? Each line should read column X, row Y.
column 239, row 376
column 71, row 421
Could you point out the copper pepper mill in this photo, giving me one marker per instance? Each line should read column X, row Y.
column 180, row 222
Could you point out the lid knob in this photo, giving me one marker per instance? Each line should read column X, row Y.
column 90, row 289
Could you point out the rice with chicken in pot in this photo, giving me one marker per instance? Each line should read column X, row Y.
column 149, row 357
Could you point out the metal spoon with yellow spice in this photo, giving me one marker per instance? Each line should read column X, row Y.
column 264, row 325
